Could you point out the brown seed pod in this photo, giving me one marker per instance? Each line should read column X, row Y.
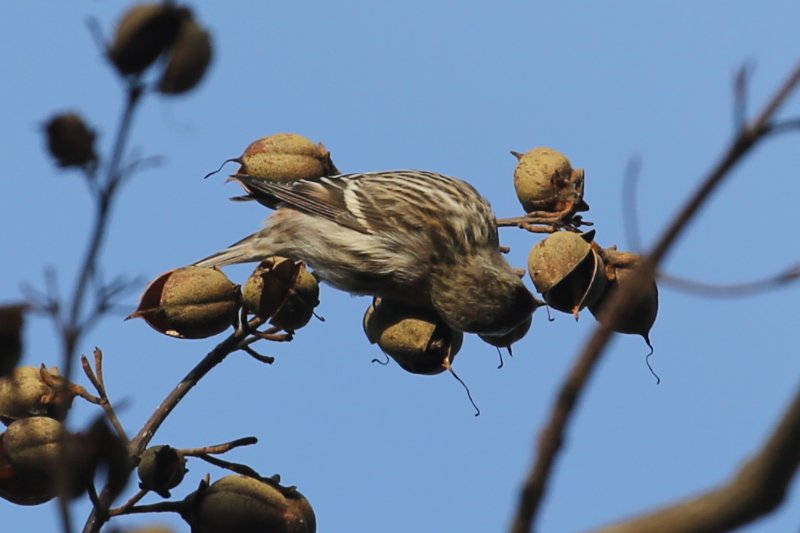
column 640, row 316
column 567, row 271
column 284, row 290
column 417, row 339
column 545, row 181
column 190, row 303
column 161, row 468
column 509, row 338
column 248, row 505
column 286, row 157
column 70, row 141
column 145, row 32
column 30, row 452
column 189, row 58
column 33, row 391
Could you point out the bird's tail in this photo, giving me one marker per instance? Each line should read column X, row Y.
column 244, row 251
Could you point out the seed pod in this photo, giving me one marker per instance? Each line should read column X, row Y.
column 248, row 505
column 30, row 451
column 33, row 391
column 145, row 32
column 284, row 290
column 161, row 468
column 190, row 303
column 545, row 181
column 509, row 338
column 286, row 157
column 567, row 271
column 640, row 316
column 70, row 141
column 188, row 59
column 417, row 339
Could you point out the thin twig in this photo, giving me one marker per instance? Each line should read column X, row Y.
column 266, row 359
column 733, row 290
column 227, row 465
column 219, row 448
column 142, row 439
column 159, row 507
column 783, row 126
column 96, row 378
column 123, row 509
column 552, row 436
column 72, row 330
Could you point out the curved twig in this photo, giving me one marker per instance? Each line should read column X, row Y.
column 232, row 343
column 219, row 448
column 733, row 290
column 552, row 436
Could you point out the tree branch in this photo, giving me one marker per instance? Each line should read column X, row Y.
column 758, row 487
column 552, row 436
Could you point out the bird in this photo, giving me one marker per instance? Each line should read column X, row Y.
column 415, row 237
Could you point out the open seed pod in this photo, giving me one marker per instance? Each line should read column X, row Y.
column 286, row 157
column 509, row 338
column 284, row 290
column 190, row 303
column 567, row 271
column 417, row 339
column 640, row 316
column 248, row 505
column 545, row 181
column 188, row 61
column 33, row 391
column 161, row 468
column 144, row 32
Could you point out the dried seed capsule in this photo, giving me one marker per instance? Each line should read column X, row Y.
column 286, row 157
column 190, row 303
column 188, row 59
column 33, row 391
column 509, row 338
column 248, row 505
column 144, row 32
column 545, row 181
column 567, row 271
column 640, row 316
column 30, row 451
column 284, row 290
column 417, row 339
column 161, row 468
column 70, row 141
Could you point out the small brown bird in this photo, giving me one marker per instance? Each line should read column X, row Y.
column 411, row 236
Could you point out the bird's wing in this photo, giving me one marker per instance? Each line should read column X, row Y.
column 363, row 202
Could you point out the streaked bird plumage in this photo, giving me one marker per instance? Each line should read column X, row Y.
column 414, row 236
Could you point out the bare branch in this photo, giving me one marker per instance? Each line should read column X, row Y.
column 734, row 290
column 232, row 343
column 758, row 488
column 552, row 436
column 125, row 507
column 233, row 467
column 96, row 378
column 219, row 448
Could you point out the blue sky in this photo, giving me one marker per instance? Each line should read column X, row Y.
column 449, row 87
